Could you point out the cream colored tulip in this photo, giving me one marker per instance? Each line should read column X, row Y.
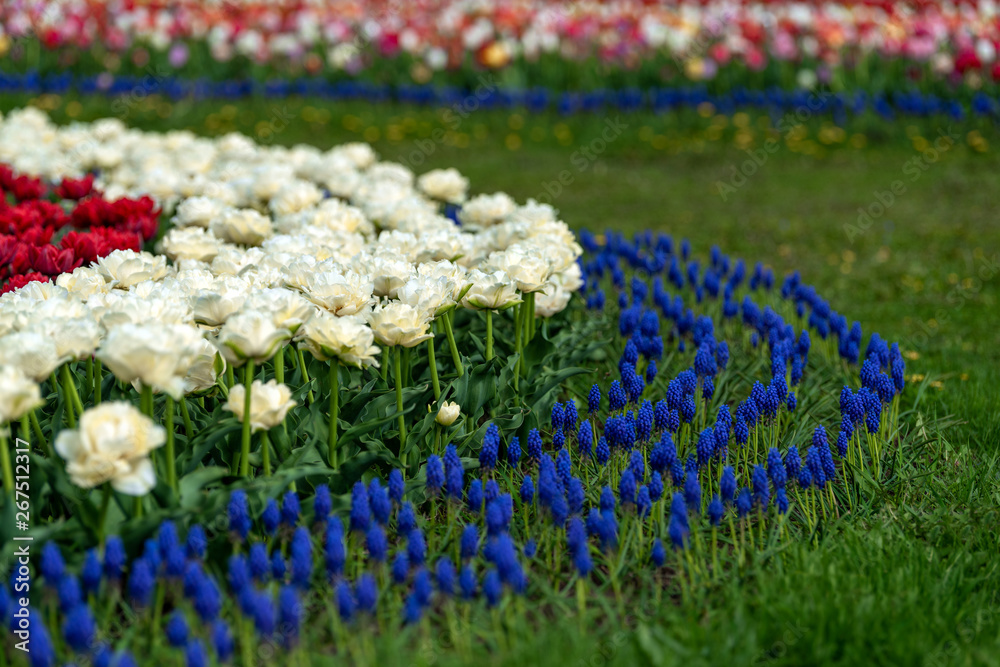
column 31, row 352
column 19, row 394
column 157, row 355
column 347, row 339
column 269, row 403
column 126, row 268
column 397, row 323
column 112, row 444
column 250, row 335
column 448, row 413
column 490, row 291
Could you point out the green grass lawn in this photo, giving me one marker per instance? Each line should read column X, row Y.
column 917, row 581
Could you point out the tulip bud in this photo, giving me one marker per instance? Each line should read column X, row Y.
column 448, row 413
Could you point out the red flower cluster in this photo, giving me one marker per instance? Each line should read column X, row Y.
column 45, row 231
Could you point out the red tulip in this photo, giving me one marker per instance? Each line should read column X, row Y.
column 76, row 188
column 8, row 244
column 21, row 280
column 85, row 245
column 6, row 177
column 37, row 236
column 23, row 258
column 26, row 187
column 52, row 261
column 91, row 212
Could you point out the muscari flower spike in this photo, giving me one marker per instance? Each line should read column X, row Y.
column 322, row 503
column 435, row 474
column 715, row 511
column 396, row 486
column 290, row 509
column 594, row 399
column 692, row 492
column 271, row 516
column 360, row 508
column 514, row 452
column 379, row 502
column 366, row 593
column 239, row 514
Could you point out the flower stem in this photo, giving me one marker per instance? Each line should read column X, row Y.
column 98, row 381
column 37, row 428
column 518, row 314
column 245, row 444
column 305, row 373
column 171, row 457
column 432, row 361
column 8, row 470
column 71, row 396
column 451, row 344
column 186, row 416
column 398, row 368
column 489, row 335
column 530, row 315
column 334, row 409
column 265, row 448
column 146, row 401
column 279, row 365
column 102, row 516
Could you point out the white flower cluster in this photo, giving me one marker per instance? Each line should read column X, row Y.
column 268, row 245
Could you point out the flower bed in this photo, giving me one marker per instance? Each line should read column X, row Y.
column 676, row 420
column 934, row 47
column 47, row 231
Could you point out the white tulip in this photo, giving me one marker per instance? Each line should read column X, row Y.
column 250, row 335
column 157, row 355
column 448, row 413
column 396, row 323
column 197, row 211
column 244, row 226
column 431, row 296
column 491, row 291
column 203, row 372
column 83, row 282
column 529, row 270
column 125, row 268
column 347, row 339
column 486, row 210
column 112, row 444
column 190, row 243
column 269, row 403
column 18, row 394
column 288, row 309
column 446, row 185
column 345, row 293
column 31, row 352
column 74, row 337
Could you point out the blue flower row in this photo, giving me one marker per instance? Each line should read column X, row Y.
column 839, row 105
